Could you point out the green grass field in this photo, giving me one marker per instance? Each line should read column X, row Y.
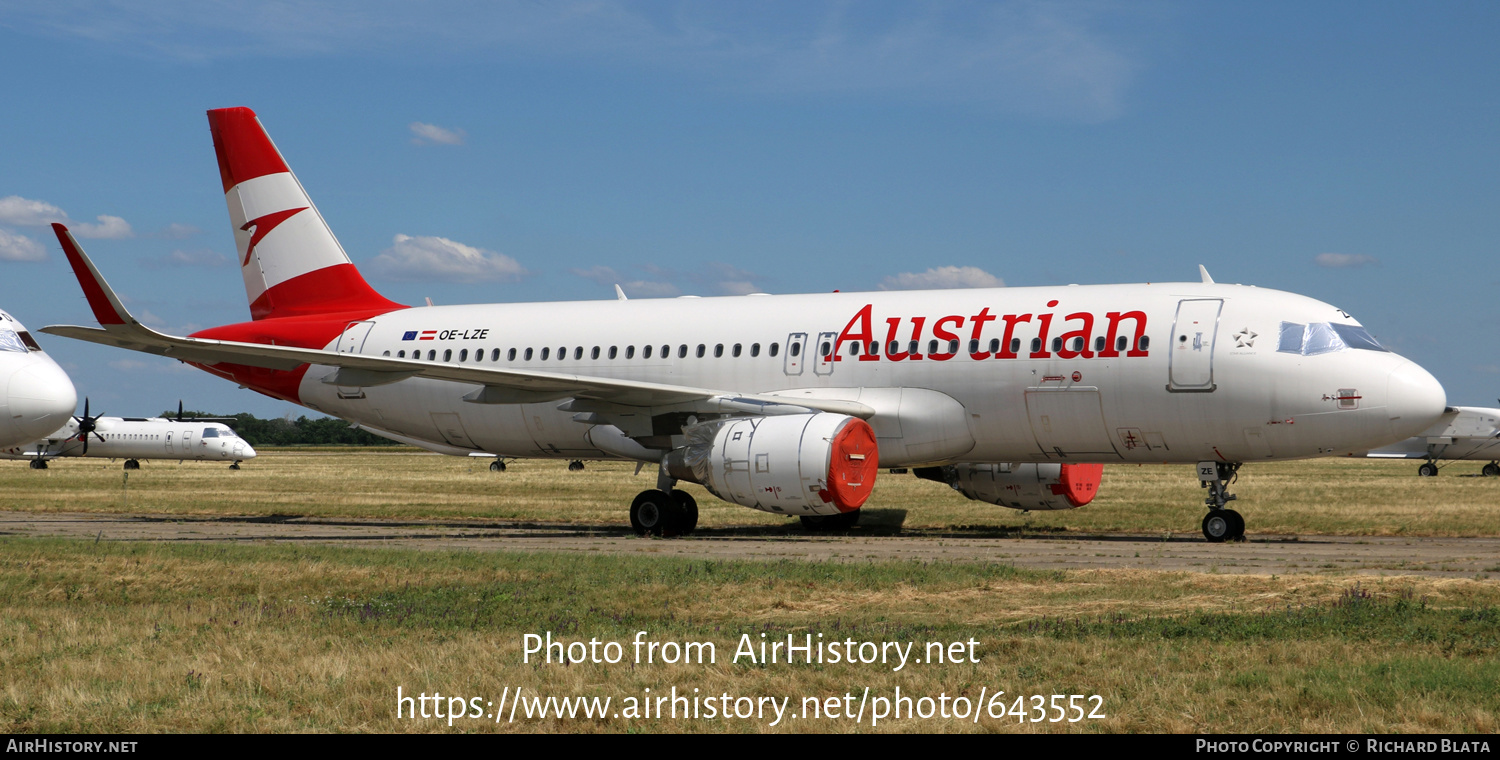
column 1346, row 497
column 173, row 637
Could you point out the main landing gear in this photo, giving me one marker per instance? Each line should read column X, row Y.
column 575, row 466
column 664, row 510
column 1427, row 470
column 132, row 464
column 38, row 464
column 497, row 466
column 831, row 523
column 1220, row 524
column 1491, row 470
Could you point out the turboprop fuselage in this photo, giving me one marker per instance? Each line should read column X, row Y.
column 139, row 438
column 1169, row 372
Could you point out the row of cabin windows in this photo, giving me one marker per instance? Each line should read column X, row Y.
column 613, row 352
column 826, row 349
column 1075, row 344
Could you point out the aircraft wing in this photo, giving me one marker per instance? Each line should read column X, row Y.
column 498, row 385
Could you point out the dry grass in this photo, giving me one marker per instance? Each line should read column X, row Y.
column 1346, row 497
column 193, row 638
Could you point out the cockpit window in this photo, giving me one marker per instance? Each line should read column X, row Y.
column 10, row 341
column 1357, row 337
column 1324, row 338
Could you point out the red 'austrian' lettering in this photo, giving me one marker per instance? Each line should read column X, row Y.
column 1076, row 341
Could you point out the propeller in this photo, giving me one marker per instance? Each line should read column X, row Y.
column 87, row 424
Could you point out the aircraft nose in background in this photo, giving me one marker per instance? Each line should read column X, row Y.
column 40, row 398
column 1417, row 400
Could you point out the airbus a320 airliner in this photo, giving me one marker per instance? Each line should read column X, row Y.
column 791, row 404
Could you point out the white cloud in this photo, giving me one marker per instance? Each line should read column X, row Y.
column 202, row 257
column 175, row 231
column 24, row 212
column 1344, row 260
column 15, row 247
column 608, row 277
column 438, row 258
column 108, row 228
column 432, row 134
column 942, row 278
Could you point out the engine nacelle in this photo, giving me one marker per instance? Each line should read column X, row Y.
column 797, row 464
column 1022, row 486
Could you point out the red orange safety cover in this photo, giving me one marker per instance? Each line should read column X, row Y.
column 1079, row 483
column 852, row 465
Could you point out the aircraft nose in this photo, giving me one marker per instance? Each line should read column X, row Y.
column 248, row 452
column 40, row 398
column 1416, row 400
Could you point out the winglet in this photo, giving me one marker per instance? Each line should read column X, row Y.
column 620, row 293
column 106, row 305
column 1202, row 270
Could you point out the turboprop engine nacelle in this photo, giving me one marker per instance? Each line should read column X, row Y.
column 798, row 464
column 1022, row 486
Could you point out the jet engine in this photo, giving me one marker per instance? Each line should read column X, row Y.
column 796, row 464
column 1022, row 486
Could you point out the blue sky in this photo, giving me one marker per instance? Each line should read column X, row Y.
column 521, row 151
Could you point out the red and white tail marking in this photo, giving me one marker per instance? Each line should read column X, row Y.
column 291, row 262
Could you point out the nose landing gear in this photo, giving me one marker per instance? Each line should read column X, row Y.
column 1220, row 524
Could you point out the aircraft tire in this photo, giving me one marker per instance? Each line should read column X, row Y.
column 1427, row 470
column 654, row 513
column 1491, row 470
column 38, row 464
column 497, row 466
column 1218, row 527
column 575, row 466
column 234, row 466
column 131, row 464
column 1236, row 525
column 687, row 512
column 830, row 523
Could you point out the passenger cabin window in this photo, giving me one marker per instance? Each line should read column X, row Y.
column 666, row 352
column 893, row 348
column 510, row 355
column 1121, row 342
column 718, row 350
column 1036, row 345
column 630, row 352
column 578, row 353
column 1144, row 343
column 755, row 349
column 594, row 353
column 994, row 345
column 528, row 354
column 1078, row 343
column 546, row 353
column 827, row 349
column 447, row 354
column 736, row 352
column 1098, row 344
column 463, row 355
column 682, row 351
column 432, row 355
column 774, row 348
column 931, row 346
column 400, row 354
column 1015, row 345
column 953, row 346
column 795, row 349
column 702, row 349
column 1057, row 344
column 614, row 351
column 874, row 348
column 973, row 346
column 645, row 352
column 385, row 353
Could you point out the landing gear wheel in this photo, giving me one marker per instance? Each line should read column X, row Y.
column 1491, row 470
column 131, row 464
column 575, row 465
column 687, row 512
column 655, row 513
column 38, row 464
column 234, row 466
column 1236, row 525
column 1427, row 470
column 838, row 522
column 497, row 466
column 1218, row 526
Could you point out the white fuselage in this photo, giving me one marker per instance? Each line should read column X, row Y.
column 36, row 395
column 1208, row 384
column 140, row 438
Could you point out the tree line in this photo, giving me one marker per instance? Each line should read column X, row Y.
column 285, row 431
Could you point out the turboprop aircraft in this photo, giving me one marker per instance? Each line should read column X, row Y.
column 134, row 439
column 1465, row 432
column 792, row 403
column 35, row 394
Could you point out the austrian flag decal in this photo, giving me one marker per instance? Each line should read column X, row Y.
column 425, row 335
